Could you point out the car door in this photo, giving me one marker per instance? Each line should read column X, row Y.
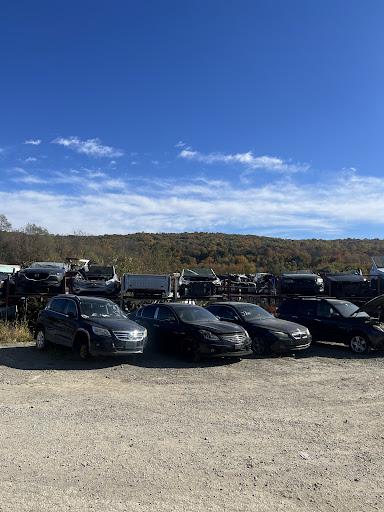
column 65, row 322
column 146, row 318
column 170, row 331
column 68, row 324
column 304, row 312
column 330, row 325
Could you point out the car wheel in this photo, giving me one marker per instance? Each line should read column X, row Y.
column 260, row 346
column 360, row 344
column 83, row 349
column 191, row 351
column 41, row 342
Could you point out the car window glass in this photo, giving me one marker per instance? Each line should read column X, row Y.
column 324, row 309
column 71, row 308
column 165, row 313
column 307, row 308
column 215, row 310
column 227, row 313
column 58, row 305
column 149, row 312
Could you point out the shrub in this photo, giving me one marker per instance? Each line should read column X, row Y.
column 12, row 332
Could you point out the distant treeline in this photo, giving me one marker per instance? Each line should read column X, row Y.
column 171, row 252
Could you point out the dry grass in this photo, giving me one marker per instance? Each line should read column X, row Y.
column 12, row 332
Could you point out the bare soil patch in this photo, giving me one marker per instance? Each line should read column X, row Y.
column 155, row 434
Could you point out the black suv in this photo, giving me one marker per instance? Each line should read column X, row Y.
column 90, row 325
column 337, row 320
column 269, row 334
column 192, row 331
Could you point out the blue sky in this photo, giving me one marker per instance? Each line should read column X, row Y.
column 256, row 117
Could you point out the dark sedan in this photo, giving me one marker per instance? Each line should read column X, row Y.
column 268, row 333
column 192, row 331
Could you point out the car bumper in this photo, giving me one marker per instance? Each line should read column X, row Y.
column 107, row 347
column 290, row 345
column 235, row 350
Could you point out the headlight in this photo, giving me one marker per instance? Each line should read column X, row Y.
column 100, row 331
column 319, row 280
column 281, row 335
column 208, row 335
column 378, row 328
column 246, row 333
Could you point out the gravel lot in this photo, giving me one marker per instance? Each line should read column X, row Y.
column 156, row 434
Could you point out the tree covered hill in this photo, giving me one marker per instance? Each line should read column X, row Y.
column 171, row 252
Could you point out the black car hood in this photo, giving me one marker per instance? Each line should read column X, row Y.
column 218, row 327
column 275, row 324
column 373, row 305
column 115, row 324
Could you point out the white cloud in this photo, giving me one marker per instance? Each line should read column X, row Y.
column 90, row 147
column 33, row 142
column 29, row 179
column 246, row 159
column 277, row 209
column 180, row 144
column 30, row 159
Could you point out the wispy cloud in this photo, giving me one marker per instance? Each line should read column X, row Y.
column 30, row 159
column 29, row 179
column 276, row 209
column 90, row 147
column 180, row 144
column 249, row 161
column 33, row 142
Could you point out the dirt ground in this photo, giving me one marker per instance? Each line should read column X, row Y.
column 156, row 434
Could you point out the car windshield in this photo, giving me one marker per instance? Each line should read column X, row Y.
column 348, row 309
column 195, row 314
column 47, row 264
column 249, row 312
column 101, row 310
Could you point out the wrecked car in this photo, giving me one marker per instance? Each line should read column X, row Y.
column 198, row 282
column 96, row 280
column 346, row 284
column 41, row 277
column 303, row 282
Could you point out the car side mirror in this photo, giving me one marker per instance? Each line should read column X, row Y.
column 170, row 320
column 71, row 314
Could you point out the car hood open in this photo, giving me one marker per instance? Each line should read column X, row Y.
column 373, row 305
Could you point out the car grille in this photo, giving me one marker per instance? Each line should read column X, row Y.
column 38, row 276
column 129, row 335
column 237, row 337
column 299, row 335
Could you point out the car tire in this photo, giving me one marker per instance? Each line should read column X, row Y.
column 82, row 349
column 191, row 351
column 41, row 341
column 360, row 344
column 260, row 346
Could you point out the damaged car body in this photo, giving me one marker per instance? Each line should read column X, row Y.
column 40, row 277
column 198, row 282
column 96, row 280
